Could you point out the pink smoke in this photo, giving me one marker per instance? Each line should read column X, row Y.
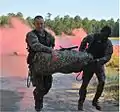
column 12, row 40
column 68, row 41
column 13, row 37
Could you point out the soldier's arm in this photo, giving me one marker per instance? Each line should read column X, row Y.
column 35, row 45
column 52, row 41
column 108, row 53
column 84, row 42
column 53, row 45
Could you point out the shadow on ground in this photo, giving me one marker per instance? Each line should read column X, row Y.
column 9, row 100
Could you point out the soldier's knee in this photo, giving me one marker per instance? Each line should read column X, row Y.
column 84, row 85
column 36, row 94
column 45, row 92
column 83, row 88
column 47, row 89
column 102, row 82
column 49, row 86
column 102, row 78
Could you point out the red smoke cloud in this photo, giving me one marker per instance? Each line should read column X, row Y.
column 12, row 40
column 68, row 41
column 13, row 37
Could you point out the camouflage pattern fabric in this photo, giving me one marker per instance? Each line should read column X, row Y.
column 66, row 61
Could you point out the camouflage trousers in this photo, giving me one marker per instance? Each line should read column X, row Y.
column 41, row 83
column 61, row 61
column 42, row 86
column 88, row 73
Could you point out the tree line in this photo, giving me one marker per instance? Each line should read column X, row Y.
column 66, row 24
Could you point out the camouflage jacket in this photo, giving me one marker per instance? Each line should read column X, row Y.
column 108, row 50
column 34, row 42
column 38, row 43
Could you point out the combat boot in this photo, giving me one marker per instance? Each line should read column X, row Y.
column 38, row 105
column 96, row 105
column 80, row 106
column 38, row 101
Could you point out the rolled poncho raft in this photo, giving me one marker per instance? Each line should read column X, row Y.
column 66, row 61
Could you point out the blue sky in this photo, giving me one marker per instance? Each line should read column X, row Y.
column 93, row 9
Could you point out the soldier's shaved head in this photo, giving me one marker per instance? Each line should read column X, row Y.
column 38, row 17
column 39, row 23
column 106, row 30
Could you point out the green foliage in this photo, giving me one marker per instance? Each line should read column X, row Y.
column 11, row 14
column 112, row 91
column 19, row 14
column 30, row 22
column 116, row 29
column 115, row 94
column 3, row 20
column 66, row 24
column 114, row 62
column 113, row 78
column 112, row 81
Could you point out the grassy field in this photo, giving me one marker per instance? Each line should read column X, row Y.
column 114, row 38
column 112, row 77
column 111, row 90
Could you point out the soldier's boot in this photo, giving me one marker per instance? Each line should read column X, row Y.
column 96, row 105
column 38, row 101
column 80, row 106
column 39, row 104
column 97, row 95
column 81, row 100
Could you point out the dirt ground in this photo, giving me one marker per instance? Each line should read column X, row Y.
column 63, row 96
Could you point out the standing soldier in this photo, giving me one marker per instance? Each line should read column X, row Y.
column 101, row 48
column 39, row 40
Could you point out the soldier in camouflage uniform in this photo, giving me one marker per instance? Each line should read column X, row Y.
column 39, row 40
column 101, row 48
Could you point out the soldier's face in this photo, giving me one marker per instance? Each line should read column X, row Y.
column 104, row 35
column 39, row 24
